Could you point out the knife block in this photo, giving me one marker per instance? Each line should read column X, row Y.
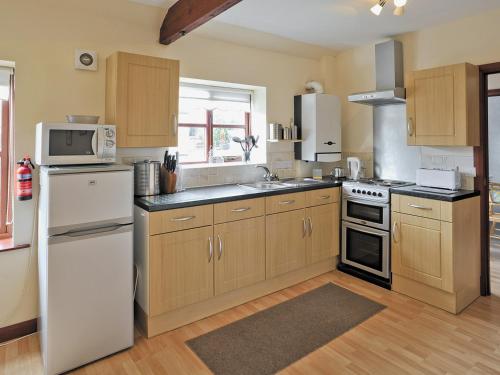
column 167, row 181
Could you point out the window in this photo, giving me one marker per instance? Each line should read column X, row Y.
column 209, row 118
column 6, row 77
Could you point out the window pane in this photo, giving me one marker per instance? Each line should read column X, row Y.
column 192, row 144
column 192, row 111
column 224, row 144
column 230, row 113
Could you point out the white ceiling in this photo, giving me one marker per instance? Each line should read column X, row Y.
column 339, row 24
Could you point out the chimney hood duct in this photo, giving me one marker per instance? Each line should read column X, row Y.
column 389, row 77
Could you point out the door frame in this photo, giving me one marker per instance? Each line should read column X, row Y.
column 482, row 173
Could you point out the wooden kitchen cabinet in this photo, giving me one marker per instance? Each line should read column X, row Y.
column 285, row 242
column 323, row 232
column 442, row 106
column 181, row 266
column 436, row 250
column 240, row 254
column 142, row 99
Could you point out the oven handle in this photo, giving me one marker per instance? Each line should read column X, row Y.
column 367, row 202
column 364, row 229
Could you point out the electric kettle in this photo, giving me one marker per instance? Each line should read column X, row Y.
column 354, row 168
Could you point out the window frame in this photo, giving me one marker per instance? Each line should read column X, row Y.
column 5, row 227
column 209, row 127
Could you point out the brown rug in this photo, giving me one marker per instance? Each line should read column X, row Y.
column 272, row 339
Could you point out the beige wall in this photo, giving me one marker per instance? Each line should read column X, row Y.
column 40, row 37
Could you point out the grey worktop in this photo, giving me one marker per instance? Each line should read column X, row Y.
column 217, row 194
column 415, row 191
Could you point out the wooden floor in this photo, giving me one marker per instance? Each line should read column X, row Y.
column 408, row 337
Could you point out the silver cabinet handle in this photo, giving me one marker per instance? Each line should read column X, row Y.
column 243, row 209
column 220, row 246
column 324, row 197
column 410, row 126
column 210, row 249
column 304, row 227
column 184, row 218
column 310, row 225
column 292, row 201
column 420, row 207
column 174, row 123
column 394, row 230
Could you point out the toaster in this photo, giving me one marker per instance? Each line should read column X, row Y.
column 439, row 178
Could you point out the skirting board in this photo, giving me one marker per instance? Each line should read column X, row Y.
column 156, row 325
column 18, row 330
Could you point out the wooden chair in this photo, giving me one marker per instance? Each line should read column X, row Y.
column 494, row 208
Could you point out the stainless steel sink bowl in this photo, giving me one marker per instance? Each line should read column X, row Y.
column 264, row 185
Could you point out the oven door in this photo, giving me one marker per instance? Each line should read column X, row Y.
column 61, row 144
column 365, row 212
column 366, row 249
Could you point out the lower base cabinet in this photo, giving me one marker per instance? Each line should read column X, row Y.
column 323, row 225
column 240, row 256
column 181, row 269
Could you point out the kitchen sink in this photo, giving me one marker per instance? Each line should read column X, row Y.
column 302, row 182
column 264, row 185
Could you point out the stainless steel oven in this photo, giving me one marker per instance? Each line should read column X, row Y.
column 366, row 248
column 366, row 212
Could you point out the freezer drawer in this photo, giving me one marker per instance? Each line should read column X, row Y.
column 88, row 312
column 89, row 199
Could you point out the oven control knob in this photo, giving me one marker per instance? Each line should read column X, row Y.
column 369, row 193
column 110, row 133
column 380, row 194
column 364, row 192
column 359, row 191
column 353, row 190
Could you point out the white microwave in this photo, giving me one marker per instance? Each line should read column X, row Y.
column 67, row 144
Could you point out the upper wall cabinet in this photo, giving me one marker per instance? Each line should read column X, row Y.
column 142, row 99
column 443, row 106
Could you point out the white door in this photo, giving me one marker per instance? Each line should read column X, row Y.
column 82, row 200
column 89, row 297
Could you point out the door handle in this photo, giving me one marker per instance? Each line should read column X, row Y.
column 210, row 249
column 243, row 209
column 184, row 218
column 292, row 201
column 220, row 246
column 394, row 230
column 304, row 227
column 410, row 126
column 419, row 207
column 324, row 197
column 310, row 225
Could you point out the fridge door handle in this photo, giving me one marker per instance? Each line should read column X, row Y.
column 86, row 232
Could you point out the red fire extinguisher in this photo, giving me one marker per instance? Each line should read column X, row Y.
column 24, row 183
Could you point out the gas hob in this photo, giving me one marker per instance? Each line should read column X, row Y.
column 377, row 190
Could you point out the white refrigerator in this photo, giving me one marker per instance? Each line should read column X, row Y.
column 85, row 264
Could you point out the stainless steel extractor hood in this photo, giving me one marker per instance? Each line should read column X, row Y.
column 389, row 77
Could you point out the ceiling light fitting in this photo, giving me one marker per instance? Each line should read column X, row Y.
column 398, row 11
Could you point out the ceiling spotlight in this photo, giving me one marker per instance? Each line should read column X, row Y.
column 399, row 11
column 377, row 8
column 400, row 3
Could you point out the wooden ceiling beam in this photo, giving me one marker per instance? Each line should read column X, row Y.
column 186, row 15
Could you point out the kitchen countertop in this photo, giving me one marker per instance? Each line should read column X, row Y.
column 413, row 190
column 221, row 193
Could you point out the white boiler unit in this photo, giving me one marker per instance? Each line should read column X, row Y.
column 318, row 119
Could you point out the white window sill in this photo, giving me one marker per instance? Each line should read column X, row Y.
column 219, row 165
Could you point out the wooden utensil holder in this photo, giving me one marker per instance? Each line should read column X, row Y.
column 168, row 181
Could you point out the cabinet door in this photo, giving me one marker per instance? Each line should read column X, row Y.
column 181, row 269
column 422, row 250
column 323, row 232
column 285, row 242
column 443, row 107
column 240, row 254
column 142, row 99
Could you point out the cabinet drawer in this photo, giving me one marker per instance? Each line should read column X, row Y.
column 420, row 207
column 180, row 219
column 238, row 210
column 322, row 196
column 285, row 202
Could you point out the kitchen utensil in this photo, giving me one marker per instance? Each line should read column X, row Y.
column 82, row 119
column 275, row 131
column 354, row 168
column 338, row 172
column 287, row 133
column 146, row 178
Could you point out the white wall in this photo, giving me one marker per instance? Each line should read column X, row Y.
column 41, row 36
